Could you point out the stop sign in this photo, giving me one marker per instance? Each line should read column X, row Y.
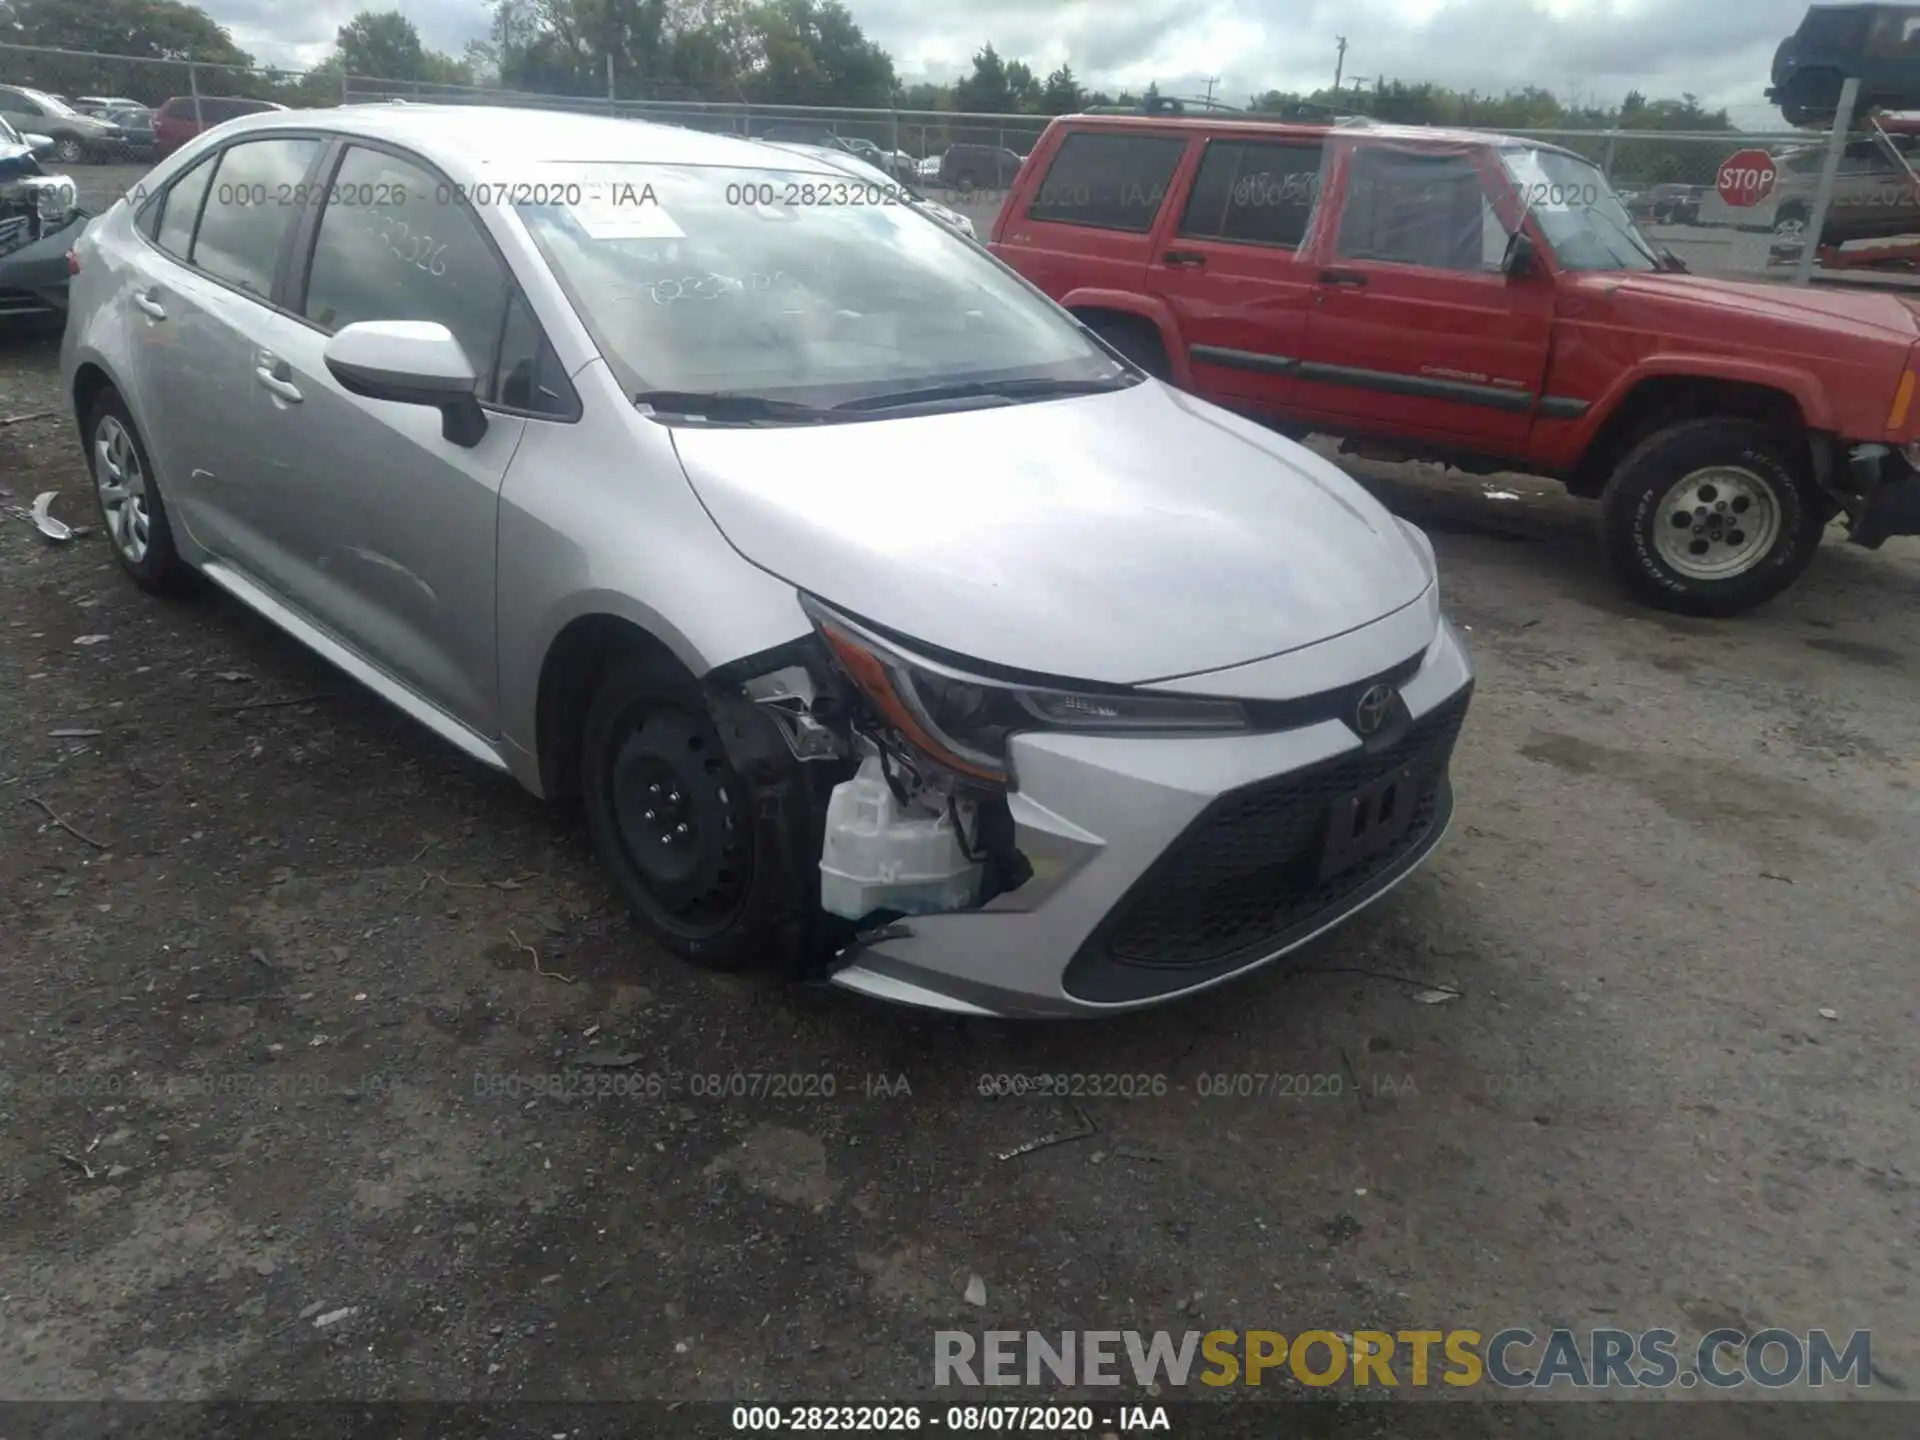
column 1745, row 179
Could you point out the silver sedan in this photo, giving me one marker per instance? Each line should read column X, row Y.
column 889, row 628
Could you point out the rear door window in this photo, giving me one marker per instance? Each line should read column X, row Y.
column 1108, row 181
column 250, row 209
column 1254, row 193
column 179, row 210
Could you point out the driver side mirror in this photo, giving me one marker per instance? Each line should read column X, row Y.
column 411, row 362
column 1521, row 258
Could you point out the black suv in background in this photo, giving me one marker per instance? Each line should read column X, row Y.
column 978, row 167
column 1878, row 43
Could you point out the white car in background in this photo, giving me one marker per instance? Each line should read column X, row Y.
column 874, row 175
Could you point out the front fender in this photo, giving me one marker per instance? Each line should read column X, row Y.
column 1153, row 310
column 1816, row 405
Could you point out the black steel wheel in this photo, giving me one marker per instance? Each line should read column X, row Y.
column 717, row 867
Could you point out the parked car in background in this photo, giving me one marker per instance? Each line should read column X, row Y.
column 696, row 510
column 928, row 169
column 101, row 106
column 40, row 218
column 1671, row 204
column 1880, row 44
column 1874, row 197
column 1487, row 303
column 185, row 116
column 76, row 137
column 878, row 182
column 136, row 131
column 978, row 167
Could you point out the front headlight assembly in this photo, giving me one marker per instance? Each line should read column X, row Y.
column 963, row 721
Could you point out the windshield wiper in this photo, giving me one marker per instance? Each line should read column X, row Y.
column 988, row 390
column 725, row 405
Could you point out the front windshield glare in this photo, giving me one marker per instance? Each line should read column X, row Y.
column 801, row 285
column 1584, row 221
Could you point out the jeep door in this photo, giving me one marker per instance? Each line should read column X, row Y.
column 1087, row 227
column 1415, row 329
column 1231, row 272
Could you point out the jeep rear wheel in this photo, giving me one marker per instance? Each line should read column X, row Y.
column 1710, row 517
column 1811, row 97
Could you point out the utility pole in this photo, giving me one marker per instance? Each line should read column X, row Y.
column 1340, row 63
column 1212, row 80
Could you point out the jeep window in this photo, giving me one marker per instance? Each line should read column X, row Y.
column 1418, row 208
column 1108, row 182
column 1583, row 220
column 1253, row 193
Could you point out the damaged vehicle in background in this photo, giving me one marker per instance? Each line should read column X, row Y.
column 40, row 218
column 890, row 628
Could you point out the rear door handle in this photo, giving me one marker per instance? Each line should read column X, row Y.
column 1184, row 259
column 149, row 306
column 1343, row 277
column 276, row 378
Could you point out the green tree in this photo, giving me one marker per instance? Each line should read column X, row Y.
column 1062, row 95
column 985, row 91
column 383, row 46
column 153, row 30
column 812, row 52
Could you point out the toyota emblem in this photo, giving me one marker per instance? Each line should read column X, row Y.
column 1372, row 709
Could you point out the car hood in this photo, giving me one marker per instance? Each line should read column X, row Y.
column 1848, row 310
column 17, row 161
column 1118, row 538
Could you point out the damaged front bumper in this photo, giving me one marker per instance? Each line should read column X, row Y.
column 1162, row 866
column 1884, row 494
column 34, row 277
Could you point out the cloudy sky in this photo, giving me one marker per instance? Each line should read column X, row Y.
column 1598, row 49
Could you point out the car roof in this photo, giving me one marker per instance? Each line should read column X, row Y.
column 469, row 139
column 1313, row 130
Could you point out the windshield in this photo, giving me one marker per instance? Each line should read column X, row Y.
column 855, row 165
column 805, row 286
column 58, row 107
column 1583, row 220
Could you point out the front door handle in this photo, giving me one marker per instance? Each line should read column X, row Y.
column 1352, row 278
column 276, row 378
column 149, row 305
column 1184, row 259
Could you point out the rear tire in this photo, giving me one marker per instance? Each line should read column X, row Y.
column 132, row 512
column 1134, row 338
column 1812, row 98
column 701, row 862
column 69, row 151
column 1710, row 517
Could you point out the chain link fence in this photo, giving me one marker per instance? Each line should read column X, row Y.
column 1667, row 180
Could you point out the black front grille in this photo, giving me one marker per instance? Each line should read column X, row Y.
column 1245, row 877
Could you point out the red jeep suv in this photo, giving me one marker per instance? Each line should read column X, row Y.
column 1485, row 302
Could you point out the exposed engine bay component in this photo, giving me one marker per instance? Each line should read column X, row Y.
column 883, row 853
column 33, row 207
column 795, row 703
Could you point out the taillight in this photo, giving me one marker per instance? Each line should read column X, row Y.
column 73, row 262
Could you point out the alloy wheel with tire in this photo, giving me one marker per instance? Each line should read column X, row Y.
column 69, row 151
column 706, row 867
column 1711, row 517
column 132, row 512
column 1790, row 229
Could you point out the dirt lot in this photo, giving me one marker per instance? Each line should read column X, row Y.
column 280, row 988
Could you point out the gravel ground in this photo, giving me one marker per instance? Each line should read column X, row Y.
column 284, row 972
